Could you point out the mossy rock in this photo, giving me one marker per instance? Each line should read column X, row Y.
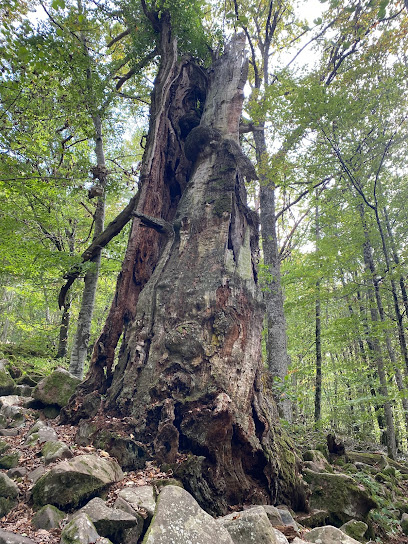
column 160, row 483
column 8, row 494
column 401, row 467
column 355, row 528
column 317, row 461
column 4, row 446
column 6, row 505
column 373, row 459
column 7, row 384
column 48, row 517
column 9, row 460
column 57, row 388
column 339, row 494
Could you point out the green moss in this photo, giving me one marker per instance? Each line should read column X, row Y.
column 9, row 460
column 221, row 205
column 6, row 505
column 7, row 384
column 3, row 446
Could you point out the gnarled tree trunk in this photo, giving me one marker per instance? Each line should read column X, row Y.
column 190, row 375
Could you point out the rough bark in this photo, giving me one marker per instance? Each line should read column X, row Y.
column 179, row 86
column 189, row 379
column 62, row 349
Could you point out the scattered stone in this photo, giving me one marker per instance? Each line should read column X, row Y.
column 8, row 494
column 338, row 494
column 249, row 526
column 10, row 460
column 354, row 528
column 80, row 530
column 71, row 483
column 404, row 523
column 51, row 411
column 24, row 390
column 179, row 519
column 57, row 388
column 139, row 498
column 4, row 446
column 315, row 460
column 273, row 515
column 9, row 432
column 7, row 384
column 399, row 466
column 40, row 433
column 11, row 538
column 112, row 522
column 373, row 459
column 48, row 517
column 131, row 455
column 55, row 451
column 314, row 518
column 280, row 537
column 14, row 371
column 31, row 379
column 36, row 474
column 287, row 518
column 329, row 535
column 17, row 472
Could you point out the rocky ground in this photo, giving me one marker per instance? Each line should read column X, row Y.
column 57, row 487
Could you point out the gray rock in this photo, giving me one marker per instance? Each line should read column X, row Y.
column 35, row 474
column 72, row 482
column 55, row 451
column 40, row 433
column 8, row 494
column 280, row 537
column 11, row 538
column 9, row 432
column 139, row 498
column 355, row 529
column 249, row 526
column 4, row 446
column 17, row 472
column 112, row 522
column 7, row 384
column 80, row 530
column 57, row 388
column 179, row 519
column 404, row 523
column 9, row 460
column 298, row 540
column 273, row 515
column 329, row 535
column 48, row 517
column 287, row 518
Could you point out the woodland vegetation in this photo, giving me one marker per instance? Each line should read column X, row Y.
column 97, row 103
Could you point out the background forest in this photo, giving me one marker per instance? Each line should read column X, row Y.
column 325, row 123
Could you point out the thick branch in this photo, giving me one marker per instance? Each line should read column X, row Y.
column 159, row 225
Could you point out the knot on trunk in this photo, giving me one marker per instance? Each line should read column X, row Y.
column 200, row 139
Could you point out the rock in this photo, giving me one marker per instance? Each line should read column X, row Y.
column 50, row 411
column 57, row 388
column 329, row 535
column 24, row 390
column 339, row 495
column 280, row 537
column 131, row 455
column 7, row 384
column 354, row 528
column 139, row 498
column 36, row 474
column 4, row 446
column 30, row 379
column 9, row 432
column 249, row 526
column 4, row 363
column 17, row 472
column 179, row 519
column 71, row 483
column 314, row 518
column 298, row 540
column 315, row 460
column 40, row 433
column 80, row 530
column 273, row 515
column 10, row 460
column 287, row 518
column 55, row 451
column 8, row 494
column 14, row 371
column 372, row 459
column 11, row 538
column 404, row 523
column 112, row 522
column 48, row 517
column 399, row 466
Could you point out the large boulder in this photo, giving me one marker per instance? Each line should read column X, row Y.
column 140, row 499
column 373, row 459
column 11, row 538
column 329, row 535
column 315, row 460
column 80, row 530
column 339, row 495
column 179, row 519
column 112, row 522
column 8, row 494
column 57, row 388
column 40, row 433
column 71, row 483
column 7, row 384
column 55, row 451
column 355, row 529
column 249, row 526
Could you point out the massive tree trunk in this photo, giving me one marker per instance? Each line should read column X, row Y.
column 189, row 378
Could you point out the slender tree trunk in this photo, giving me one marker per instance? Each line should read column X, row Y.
column 318, row 336
column 190, row 371
column 62, row 349
column 276, row 340
column 375, row 346
column 83, row 331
